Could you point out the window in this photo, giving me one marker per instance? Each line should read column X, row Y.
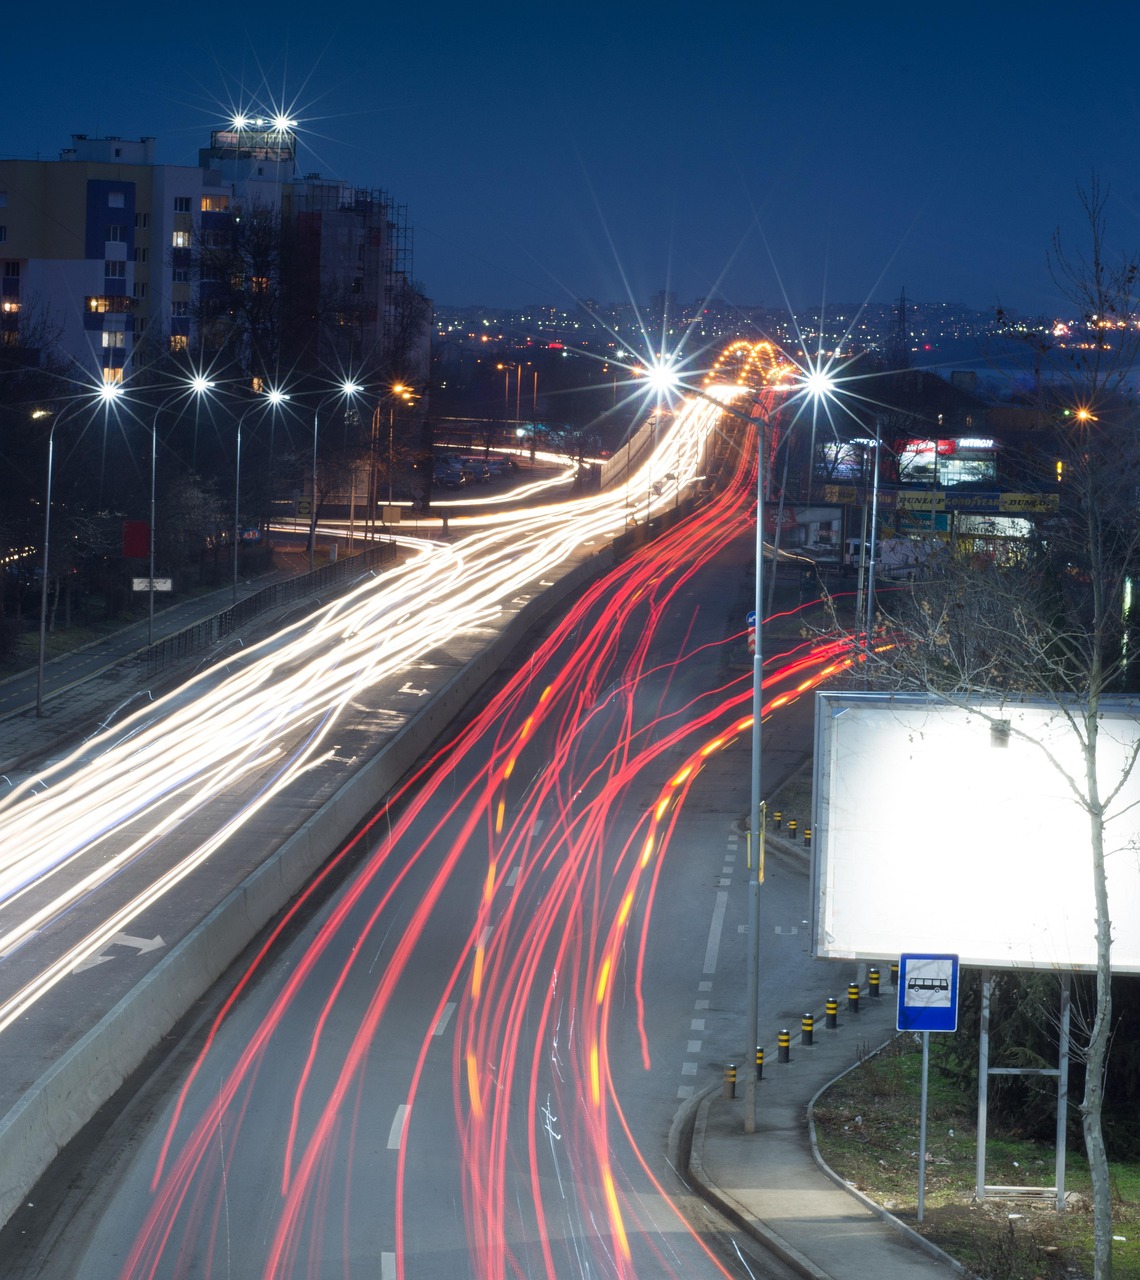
column 117, row 233
column 115, row 200
column 114, row 339
column 112, row 377
column 3, row 234
column 11, row 270
column 179, row 342
column 142, row 221
column 181, row 240
column 215, row 204
column 3, row 199
column 179, row 309
column 214, row 239
column 181, row 204
column 100, row 304
column 180, row 275
column 140, row 287
column 141, row 255
column 115, row 270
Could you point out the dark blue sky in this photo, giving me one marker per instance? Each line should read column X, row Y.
column 832, row 153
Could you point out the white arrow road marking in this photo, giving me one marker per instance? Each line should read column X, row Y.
column 407, row 687
column 141, row 945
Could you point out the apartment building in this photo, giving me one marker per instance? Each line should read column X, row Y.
column 104, row 250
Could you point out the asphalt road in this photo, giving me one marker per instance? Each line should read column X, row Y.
column 281, row 1161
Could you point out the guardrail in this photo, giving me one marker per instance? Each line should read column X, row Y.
column 203, row 635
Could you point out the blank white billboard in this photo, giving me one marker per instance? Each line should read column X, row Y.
column 936, row 832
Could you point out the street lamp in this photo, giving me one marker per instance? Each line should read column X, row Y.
column 405, row 394
column 270, row 399
column 106, row 393
column 817, row 386
column 195, row 386
column 346, row 388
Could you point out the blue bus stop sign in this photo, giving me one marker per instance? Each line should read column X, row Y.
column 928, row 993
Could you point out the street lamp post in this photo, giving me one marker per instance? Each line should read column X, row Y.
column 347, row 388
column 398, row 389
column 270, row 399
column 107, row 393
column 196, row 386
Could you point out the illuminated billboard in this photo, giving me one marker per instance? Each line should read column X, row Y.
column 955, row 829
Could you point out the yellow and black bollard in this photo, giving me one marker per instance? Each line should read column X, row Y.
column 807, row 1029
column 777, row 818
column 853, row 998
column 784, row 1047
column 793, row 825
column 807, row 837
column 832, row 1011
column 895, row 974
column 730, row 1080
column 759, row 1063
column 873, row 983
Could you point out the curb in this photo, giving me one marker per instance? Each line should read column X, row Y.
column 896, row 1224
column 734, row 1210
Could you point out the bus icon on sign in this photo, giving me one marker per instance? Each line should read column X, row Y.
column 928, row 984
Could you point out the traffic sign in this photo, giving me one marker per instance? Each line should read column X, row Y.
column 928, row 993
column 750, row 621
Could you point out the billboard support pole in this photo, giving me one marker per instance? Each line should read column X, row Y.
column 922, row 1124
column 983, row 1088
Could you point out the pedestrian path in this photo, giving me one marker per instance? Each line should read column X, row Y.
column 769, row 1182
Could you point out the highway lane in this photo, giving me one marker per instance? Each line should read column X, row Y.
column 509, row 910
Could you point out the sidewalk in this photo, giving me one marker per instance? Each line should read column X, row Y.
column 772, row 1184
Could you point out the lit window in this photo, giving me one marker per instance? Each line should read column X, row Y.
column 115, row 200
column 112, row 377
column 181, row 204
column 215, row 204
column 181, row 240
column 179, row 342
column 114, row 339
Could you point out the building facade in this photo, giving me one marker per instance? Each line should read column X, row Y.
column 105, row 253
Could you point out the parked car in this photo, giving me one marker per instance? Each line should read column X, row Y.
column 448, row 477
column 480, row 471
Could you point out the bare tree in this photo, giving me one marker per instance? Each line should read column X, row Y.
column 1056, row 623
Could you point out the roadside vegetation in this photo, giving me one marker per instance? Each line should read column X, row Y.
column 867, row 1129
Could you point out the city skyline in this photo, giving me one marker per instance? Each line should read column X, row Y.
column 765, row 159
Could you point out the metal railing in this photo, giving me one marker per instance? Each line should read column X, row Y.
column 207, row 633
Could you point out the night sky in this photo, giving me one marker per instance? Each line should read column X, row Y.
column 762, row 153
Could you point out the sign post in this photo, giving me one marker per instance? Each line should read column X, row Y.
column 928, row 1001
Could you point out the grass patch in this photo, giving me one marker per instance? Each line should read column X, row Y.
column 867, row 1127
